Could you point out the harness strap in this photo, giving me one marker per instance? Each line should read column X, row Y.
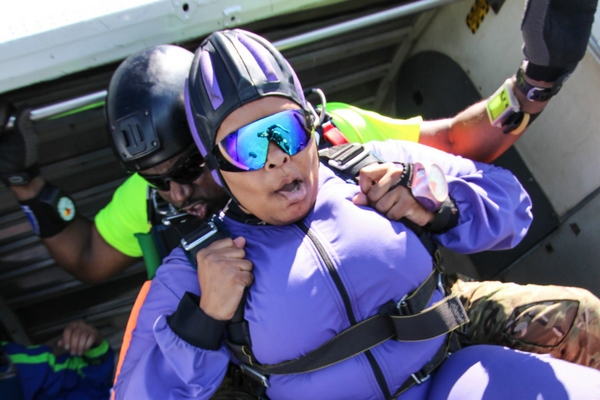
column 424, row 373
column 332, row 134
column 437, row 320
column 203, row 236
column 348, row 159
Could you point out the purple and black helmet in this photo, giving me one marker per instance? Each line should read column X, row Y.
column 232, row 68
column 145, row 107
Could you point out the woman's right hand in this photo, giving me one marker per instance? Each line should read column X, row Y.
column 223, row 273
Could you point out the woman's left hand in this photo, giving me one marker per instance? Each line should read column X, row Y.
column 375, row 181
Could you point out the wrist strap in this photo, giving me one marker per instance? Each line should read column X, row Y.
column 536, row 93
column 445, row 218
column 51, row 211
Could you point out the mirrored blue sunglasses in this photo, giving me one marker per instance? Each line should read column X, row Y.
column 246, row 149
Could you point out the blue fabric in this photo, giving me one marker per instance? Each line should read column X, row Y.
column 43, row 380
column 497, row 373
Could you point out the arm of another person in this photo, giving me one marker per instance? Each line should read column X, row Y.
column 555, row 38
column 470, row 133
column 79, row 248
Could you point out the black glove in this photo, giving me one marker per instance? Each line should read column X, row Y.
column 18, row 147
column 555, row 36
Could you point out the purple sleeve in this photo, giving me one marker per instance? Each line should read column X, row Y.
column 158, row 364
column 480, row 373
column 495, row 210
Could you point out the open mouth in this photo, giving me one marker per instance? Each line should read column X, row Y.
column 198, row 209
column 293, row 191
column 293, row 186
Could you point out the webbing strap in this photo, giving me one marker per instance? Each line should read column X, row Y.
column 347, row 160
column 437, row 320
column 332, row 134
column 434, row 321
column 424, row 373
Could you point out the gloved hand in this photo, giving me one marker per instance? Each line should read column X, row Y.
column 555, row 36
column 18, row 147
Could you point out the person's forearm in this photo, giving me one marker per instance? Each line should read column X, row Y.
column 70, row 249
column 78, row 248
column 30, row 190
column 470, row 133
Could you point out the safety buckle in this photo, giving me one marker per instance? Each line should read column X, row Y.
column 255, row 375
column 205, row 232
column 348, row 156
column 402, row 306
column 420, row 377
column 539, row 94
column 440, row 284
column 166, row 209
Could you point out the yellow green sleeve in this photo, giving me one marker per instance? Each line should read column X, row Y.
column 125, row 216
column 364, row 126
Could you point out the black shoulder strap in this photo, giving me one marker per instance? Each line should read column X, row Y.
column 201, row 237
column 348, row 159
column 210, row 232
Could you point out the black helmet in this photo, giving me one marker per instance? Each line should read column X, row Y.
column 145, row 107
column 232, row 68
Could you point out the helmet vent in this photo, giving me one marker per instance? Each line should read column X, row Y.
column 209, row 79
column 260, row 56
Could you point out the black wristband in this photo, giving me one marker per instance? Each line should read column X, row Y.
column 51, row 211
column 543, row 72
column 445, row 218
column 535, row 93
column 191, row 324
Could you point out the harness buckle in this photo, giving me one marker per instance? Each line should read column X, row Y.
column 255, row 375
column 420, row 377
column 349, row 156
column 402, row 305
column 207, row 231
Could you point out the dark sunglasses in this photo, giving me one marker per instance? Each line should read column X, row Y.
column 246, row 149
column 185, row 171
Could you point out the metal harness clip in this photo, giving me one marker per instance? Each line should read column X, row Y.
column 420, row 379
column 208, row 230
column 257, row 376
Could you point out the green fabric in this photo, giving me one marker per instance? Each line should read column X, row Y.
column 363, row 126
column 97, row 351
column 125, row 216
column 152, row 257
column 71, row 363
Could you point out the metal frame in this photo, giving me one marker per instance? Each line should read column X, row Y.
column 284, row 44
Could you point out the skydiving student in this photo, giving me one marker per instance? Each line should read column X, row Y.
column 324, row 289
